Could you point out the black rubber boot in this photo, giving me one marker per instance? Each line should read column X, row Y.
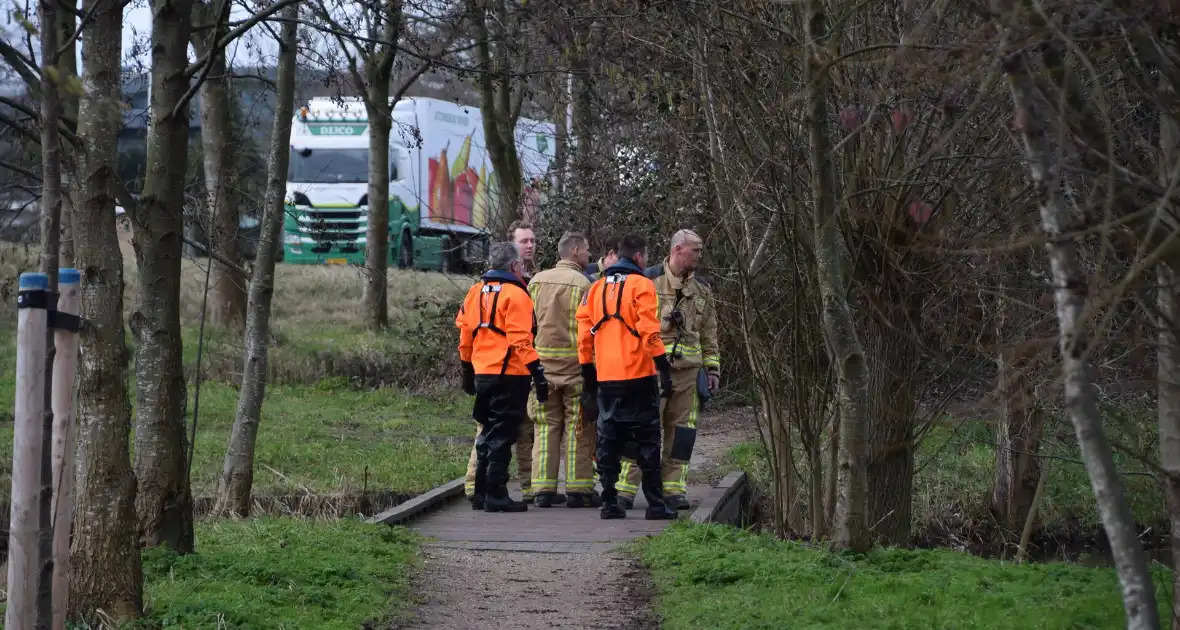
column 584, row 501
column 627, row 503
column 543, row 499
column 677, row 502
column 612, row 511
column 476, row 501
column 660, row 514
column 559, row 498
column 504, row 504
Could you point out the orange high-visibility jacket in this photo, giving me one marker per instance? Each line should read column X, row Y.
column 496, row 326
column 618, row 329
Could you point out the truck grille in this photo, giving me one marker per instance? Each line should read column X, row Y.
column 343, row 225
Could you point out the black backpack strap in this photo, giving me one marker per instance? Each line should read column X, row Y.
column 621, row 279
column 491, row 323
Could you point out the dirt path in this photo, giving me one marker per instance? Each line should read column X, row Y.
column 467, row 588
column 496, row 589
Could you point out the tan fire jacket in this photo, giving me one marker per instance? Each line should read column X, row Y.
column 556, row 294
column 697, row 344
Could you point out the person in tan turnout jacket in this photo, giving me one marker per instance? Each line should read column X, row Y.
column 688, row 328
column 556, row 294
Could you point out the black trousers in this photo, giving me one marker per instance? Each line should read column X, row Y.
column 501, row 406
column 629, row 412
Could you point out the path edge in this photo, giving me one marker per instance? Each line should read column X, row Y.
column 407, row 510
column 725, row 501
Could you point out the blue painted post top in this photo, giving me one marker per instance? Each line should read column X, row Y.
column 68, row 275
column 33, row 281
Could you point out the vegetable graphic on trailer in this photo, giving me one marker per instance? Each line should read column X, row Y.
column 439, row 211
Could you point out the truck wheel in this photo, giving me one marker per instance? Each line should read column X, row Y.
column 406, row 255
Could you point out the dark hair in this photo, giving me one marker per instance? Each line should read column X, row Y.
column 610, row 243
column 630, row 246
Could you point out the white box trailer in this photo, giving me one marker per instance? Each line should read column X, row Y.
column 443, row 192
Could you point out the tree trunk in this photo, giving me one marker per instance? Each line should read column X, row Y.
column 844, row 346
column 376, row 296
column 237, row 474
column 67, row 65
column 51, row 201
column 163, row 504
column 1018, row 438
column 832, row 487
column 227, row 290
column 1080, row 397
column 1169, row 412
column 1168, row 363
column 563, row 89
column 104, row 557
column 499, row 115
column 892, row 408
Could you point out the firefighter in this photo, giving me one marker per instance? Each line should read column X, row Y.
column 556, row 294
column 688, row 326
column 521, row 234
column 621, row 354
column 500, row 365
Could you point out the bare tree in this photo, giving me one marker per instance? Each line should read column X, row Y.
column 104, row 555
column 237, row 476
column 370, row 60
column 163, row 503
column 227, row 299
column 498, row 36
column 1080, row 394
column 51, row 203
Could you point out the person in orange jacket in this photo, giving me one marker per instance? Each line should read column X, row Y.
column 500, row 365
column 621, row 353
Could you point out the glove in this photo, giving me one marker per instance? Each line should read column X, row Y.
column 539, row 383
column 589, row 379
column 468, row 378
column 665, row 369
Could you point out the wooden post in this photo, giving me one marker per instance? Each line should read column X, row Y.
column 31, row 327
column 65, row 365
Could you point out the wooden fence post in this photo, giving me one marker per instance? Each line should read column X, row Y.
column 65, row 364
column 31, row 327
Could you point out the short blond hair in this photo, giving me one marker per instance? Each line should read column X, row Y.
column 570, row 241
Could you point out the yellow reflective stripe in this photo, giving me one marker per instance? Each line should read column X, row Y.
column 556, row 352
column 541, row 431
column 682, row 483
column 683, row 349
column 571, row 439
column 624, row 471
column 572, row 316
column 713, row 360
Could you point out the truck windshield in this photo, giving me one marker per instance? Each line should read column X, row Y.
column 329, row 166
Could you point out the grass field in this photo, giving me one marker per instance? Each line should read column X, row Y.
column 323, row 431
column 265, row 574
column 712, row 576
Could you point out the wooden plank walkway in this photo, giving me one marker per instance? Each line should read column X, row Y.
column 558, row 529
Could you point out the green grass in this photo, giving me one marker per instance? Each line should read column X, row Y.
column 325, row 429
column 332, row 438
column 329, row 438
column 280, row 574
column 325, row 439
column 712, row 576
